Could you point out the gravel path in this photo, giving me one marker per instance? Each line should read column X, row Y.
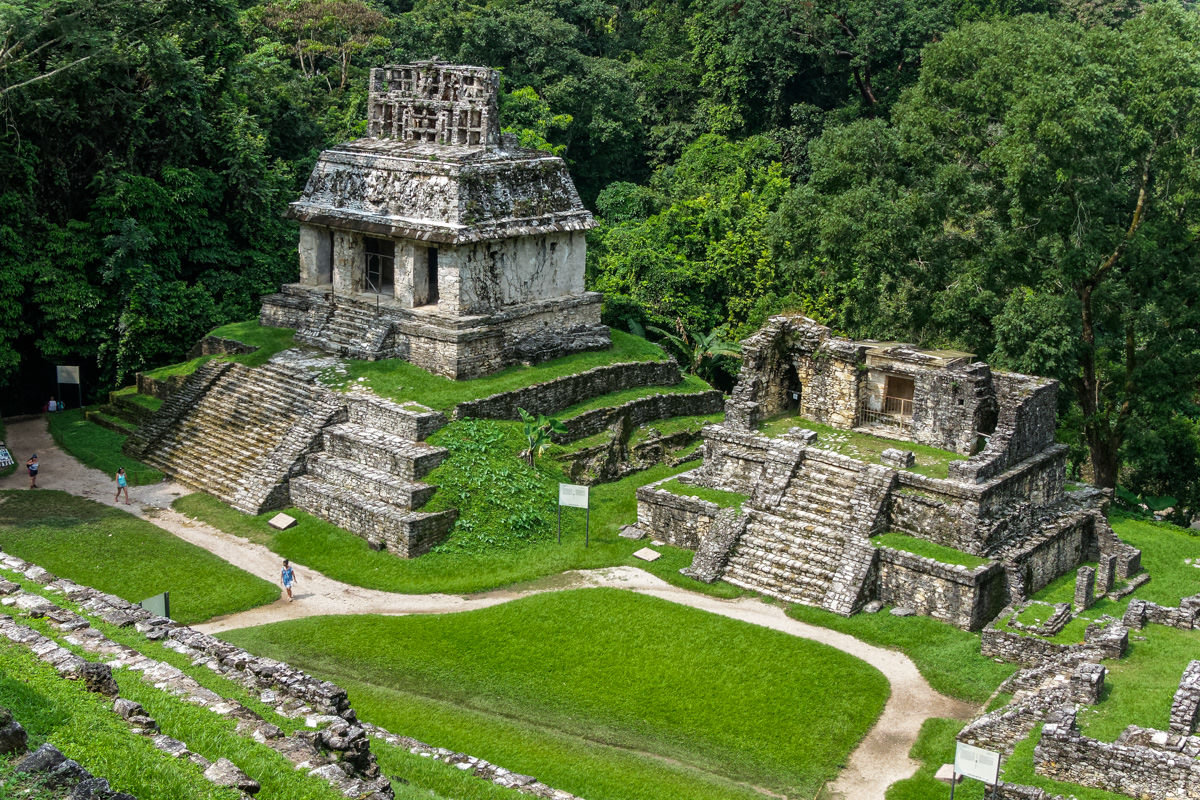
column 880, row 759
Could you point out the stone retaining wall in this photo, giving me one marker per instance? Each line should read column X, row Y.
column 637, row 412
column 678, row 520
column 218, row 345
column 1064, row 754
column 162, row 388
column 1185, row 707
column 996, row 642
column 965, row 598
column 1140, row 612
column 553, row 396
column 409, row 421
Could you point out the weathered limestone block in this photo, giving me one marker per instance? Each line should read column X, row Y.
column 900, row 459
column 1085, row 585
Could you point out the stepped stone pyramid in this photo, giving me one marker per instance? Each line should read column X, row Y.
column 266, row 438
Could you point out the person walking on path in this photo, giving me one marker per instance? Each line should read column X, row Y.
column 122, row 485
column 288, row 576
column 32, row 466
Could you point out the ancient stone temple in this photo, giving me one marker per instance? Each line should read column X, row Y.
column 439, row 240
column 808, row 530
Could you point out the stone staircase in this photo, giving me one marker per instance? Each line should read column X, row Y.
column 806, row 538
column 237, row 432
column 367, row 477
column 351, row 329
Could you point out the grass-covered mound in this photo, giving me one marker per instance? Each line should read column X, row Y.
column 400, row 381
column 97, row 447
column 101, row 546
column 654, row 694
column 927, row 549
column 267, row 340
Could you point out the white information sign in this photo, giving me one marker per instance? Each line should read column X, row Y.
column 571, row 495
column 975, row 762
column 68, row 374
column 6, row 459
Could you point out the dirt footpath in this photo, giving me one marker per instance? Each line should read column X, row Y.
column 880, row 759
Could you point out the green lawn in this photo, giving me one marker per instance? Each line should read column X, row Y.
column 923, row 547
column 82, row 725
column 146, row 401
column 343, row 556
column 721, row 497
column 398, row 380
column 934, row 747
column 602, row 666
column 98, row 448
column 930, row 461
column 104, row 547
column 690, row 384
column 947, row 657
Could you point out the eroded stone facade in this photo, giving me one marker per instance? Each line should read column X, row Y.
column 438, row 240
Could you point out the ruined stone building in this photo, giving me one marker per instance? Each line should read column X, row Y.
column 805, row 533
column 437, row 239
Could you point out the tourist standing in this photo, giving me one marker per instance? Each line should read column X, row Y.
column 122, row 486
column 288, row 576
column 32, row 466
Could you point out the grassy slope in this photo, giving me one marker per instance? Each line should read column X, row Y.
column 98, row 448
column 722, row 498
column 104, row 547
column 82, row 725
column 607, row 666
column 401, row 381
column 947, row 657
column 269, row 341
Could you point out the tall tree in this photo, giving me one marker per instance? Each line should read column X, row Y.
column 1037, row 195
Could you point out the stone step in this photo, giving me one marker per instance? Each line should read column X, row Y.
column 368, row 481
column 789, row 589
column 405, row 533
column 812, row 548
column 381, row 450
column 824, row 560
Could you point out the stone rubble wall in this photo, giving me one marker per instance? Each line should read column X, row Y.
column 679, row 520
column 1186, row 617
column 553, row 396
column 965, row 598
column 639, row 411
column 1024, row 427
column 1064, row 754
column 219, row 345
column 1185, row 707
column 733, row 459
column 406, row 534
column 292, row 692
column 1099, row 642
column 616, row 458
column 525, row 784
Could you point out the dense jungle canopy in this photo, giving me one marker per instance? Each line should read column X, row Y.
column 1017, row 178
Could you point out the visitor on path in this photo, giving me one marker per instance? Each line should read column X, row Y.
column 289, row 578
column 122, row 485
column 52, row 406
column 32, row 466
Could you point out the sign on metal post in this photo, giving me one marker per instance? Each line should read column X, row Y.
column 160, row 604
column 573, row 496
column 69, row 374
column 975, row 762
